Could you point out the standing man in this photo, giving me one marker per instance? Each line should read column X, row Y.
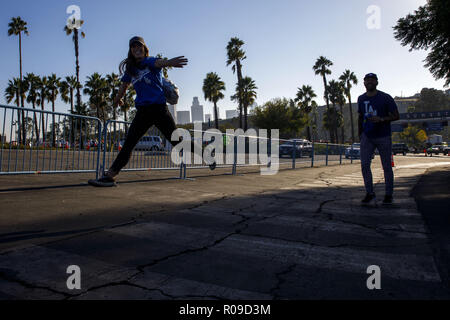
column 376, row 112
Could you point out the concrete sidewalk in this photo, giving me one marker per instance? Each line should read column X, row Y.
column 301, row 234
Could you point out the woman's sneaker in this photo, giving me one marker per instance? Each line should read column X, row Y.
column 388, row 200
column 105, row 181
column 369, row 200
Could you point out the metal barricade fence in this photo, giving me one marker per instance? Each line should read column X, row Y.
column 39, row 141
column 51, row 142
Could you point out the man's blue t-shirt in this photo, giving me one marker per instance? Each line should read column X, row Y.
column 379, row 105
column 147, row 83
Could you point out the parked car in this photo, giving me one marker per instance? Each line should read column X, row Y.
column 433, row 150
column 400, row 148
column 148, row 143
column 353, row 151
column 302, row 148
column 442, row 147
column 447, row 150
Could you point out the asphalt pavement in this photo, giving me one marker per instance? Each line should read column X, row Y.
column 300, row 234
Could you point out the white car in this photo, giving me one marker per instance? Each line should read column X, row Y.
column 148, row 143
column 353, row 151
column 303, row 148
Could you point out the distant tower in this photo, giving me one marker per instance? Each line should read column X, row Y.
column 173, row 111
column 183, row 117
column 196, row 110
column 208, row 117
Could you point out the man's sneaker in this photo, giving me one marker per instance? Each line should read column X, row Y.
column 212, row 166
column 388, row 200
column 370, row 199
column 105, row 181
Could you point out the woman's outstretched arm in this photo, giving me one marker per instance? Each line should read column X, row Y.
column 177, row 62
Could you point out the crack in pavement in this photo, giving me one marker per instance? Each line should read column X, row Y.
column 130, row 284
column 28, row 285
column 280, row 281
column 319, row 210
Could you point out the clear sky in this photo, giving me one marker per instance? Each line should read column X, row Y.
column 283, row 38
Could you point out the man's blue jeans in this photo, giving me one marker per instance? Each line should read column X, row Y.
column 384, row 146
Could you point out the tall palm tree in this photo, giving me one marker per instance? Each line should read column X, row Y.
column 75, row 39
column 235, row 56
column 53, row 90
column 349, row 78
column 341, row 103
column 32, row 82
column 335, row 92
column 332, row 119
column 67, row 88
column 114, row 86
column 16, row 27
column 43, row 95
column 128, row 102
column 304, row 98
column 321, row 67
column 314, row 113
column 98, row 90
column 212, row 88
column 246, row 93
column 13, row 92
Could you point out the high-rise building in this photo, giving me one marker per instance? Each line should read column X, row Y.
column 183, row 117
column 230, row 114
column 173, row 111
column 196, row 110
column 208, row 117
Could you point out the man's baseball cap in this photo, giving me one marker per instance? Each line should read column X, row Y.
column 371, row 75
column 137, row 39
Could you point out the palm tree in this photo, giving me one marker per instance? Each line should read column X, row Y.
column 235, row 56
column 43, row 95
column 314, row 113
column 67, row 88
column 53, row 91
column 212, row 88
column 16, row 27
column 114, row 85
column 349, row 78
column 75, row 40
column 321, row 67
column 246, row 93
column 304, row 98
column 341, row 102
column 128, row 102
column 335, row 92
column 33, row 93
column 98, row 90
column 332, row 119
column 13, row 92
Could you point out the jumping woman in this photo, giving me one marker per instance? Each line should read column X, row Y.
column 145, row 73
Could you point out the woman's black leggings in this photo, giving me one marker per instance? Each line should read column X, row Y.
column 146, row 116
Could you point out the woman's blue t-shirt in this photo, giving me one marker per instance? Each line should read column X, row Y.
column 147, row 83
column 379, row 105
